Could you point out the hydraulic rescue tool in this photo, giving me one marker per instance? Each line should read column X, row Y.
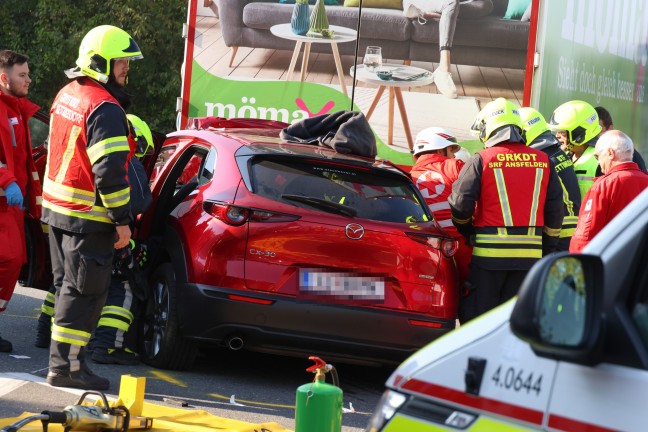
column 319, row 405
column 92, row 418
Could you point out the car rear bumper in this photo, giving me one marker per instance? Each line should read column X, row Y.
column 291, row 327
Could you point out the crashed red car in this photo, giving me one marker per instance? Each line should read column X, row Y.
column 289, row 248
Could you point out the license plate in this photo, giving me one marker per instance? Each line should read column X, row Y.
column 341, row 285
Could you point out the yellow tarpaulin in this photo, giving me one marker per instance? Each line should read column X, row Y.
column 167, row 419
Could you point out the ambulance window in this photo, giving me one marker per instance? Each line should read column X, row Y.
column 562, row 319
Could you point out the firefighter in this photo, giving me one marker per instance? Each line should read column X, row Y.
column 434, row 172
column 508, row 202
column 576, row 125
column 123, row 264
column 86, row 196
column 113, row 341
column 538, row 136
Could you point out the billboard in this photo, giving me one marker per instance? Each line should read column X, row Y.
column 595, row 51
column 242, row 66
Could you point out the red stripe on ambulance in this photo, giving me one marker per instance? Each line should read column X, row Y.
column 477, row 402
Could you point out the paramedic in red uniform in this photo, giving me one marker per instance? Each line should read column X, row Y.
column 434, row 172
column 20, row 189
column 621, row 182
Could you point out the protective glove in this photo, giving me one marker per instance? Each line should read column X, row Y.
column 140, row 253
column 14, row 195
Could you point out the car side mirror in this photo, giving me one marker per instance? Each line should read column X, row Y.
column 558, row 311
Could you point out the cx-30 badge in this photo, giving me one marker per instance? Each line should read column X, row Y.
column 354, row 231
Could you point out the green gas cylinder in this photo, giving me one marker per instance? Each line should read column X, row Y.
column 318, row 406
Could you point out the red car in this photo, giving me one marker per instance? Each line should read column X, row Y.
column 287, row 248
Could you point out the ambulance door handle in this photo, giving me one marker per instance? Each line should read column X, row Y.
column 474, row 375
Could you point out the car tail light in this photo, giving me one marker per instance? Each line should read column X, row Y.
column 421, row 323
column 247, row 299
column 446, row 245
column 237, row 215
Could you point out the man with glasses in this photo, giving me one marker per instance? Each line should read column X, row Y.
column 621, row 182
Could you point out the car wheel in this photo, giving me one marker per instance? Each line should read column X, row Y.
column 162, row 343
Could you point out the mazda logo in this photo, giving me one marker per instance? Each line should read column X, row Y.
column 354, row 231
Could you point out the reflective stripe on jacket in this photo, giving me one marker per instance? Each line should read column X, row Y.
column 434, row 175
column 70, row 188
column 585, row 168
column 513, row 196
column 564, row 167
column 32, row 189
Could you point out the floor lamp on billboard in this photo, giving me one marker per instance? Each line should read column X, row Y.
column 355, row 57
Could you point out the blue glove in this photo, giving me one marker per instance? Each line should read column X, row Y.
column 14, row 195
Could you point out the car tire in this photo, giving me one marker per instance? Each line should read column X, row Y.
column 162, row 344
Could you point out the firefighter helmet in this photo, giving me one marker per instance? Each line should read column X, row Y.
column 142, row 134
column 578, row 119
column 495, row 115
column 100, row 46
column 433, row 138
column 533, row 123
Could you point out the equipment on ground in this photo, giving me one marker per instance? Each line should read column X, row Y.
column 91, row 418
column 318, row 404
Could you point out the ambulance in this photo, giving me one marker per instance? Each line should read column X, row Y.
column 570, row 353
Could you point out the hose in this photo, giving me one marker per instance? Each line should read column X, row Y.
column 334, row 376
column 13, row 427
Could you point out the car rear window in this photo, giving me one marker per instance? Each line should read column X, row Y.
column 337, row 188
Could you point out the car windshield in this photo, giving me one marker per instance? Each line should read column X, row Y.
column 338, row 188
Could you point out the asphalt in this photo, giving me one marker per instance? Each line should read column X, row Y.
column 237, row 385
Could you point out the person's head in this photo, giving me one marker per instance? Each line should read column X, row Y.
column 575, row 123
column 605, row 119
column 614, row 147
column 14, row 73
column 142, row 134
column 435, row 140
column 497, row 114
column 533, row 124
column 104, row 54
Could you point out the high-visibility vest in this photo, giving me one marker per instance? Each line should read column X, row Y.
column 509, row 218
column 433, row 175
column 69, row 184
column 585, row 167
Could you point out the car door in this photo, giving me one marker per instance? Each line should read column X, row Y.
column 37, row 271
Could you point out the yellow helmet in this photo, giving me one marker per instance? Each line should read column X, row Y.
column 143, row 135
column 533, row 123
column 494, row 115
column 579, row 119
column 101, row 45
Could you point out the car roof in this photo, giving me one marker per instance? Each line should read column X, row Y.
column 255, row 141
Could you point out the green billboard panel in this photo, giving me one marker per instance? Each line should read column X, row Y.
column 596, row 51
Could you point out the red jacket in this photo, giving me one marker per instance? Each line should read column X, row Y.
column 434, row 175
column 10, row 107
column 605, row 199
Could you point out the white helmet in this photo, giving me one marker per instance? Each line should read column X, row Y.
column 433, row 138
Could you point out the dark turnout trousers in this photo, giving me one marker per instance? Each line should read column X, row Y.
column 85, row 263
column 488, row 289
